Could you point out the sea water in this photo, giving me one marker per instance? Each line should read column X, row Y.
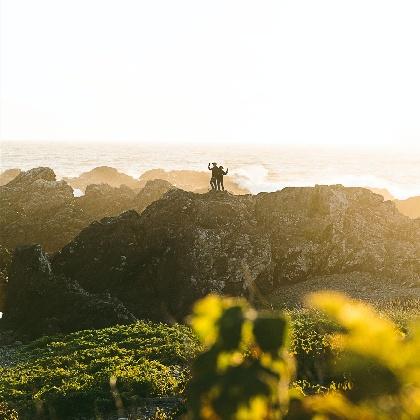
column 258, row 168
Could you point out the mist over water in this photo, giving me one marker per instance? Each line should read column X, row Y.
column 265, row 168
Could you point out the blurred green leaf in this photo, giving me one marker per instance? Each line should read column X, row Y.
column 270, row 332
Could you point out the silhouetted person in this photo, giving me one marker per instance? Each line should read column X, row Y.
column 214, row 173
column 219, row 178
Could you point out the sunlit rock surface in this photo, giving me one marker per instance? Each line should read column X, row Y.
column 409, row 207
column 8, row 175
column 103, row 175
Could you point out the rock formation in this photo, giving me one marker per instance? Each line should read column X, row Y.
column 332, row 229
column 5, row 261
column 410, row 207
column 8, row 175
column 102, row 200
column 102, row 175
column 382, row 191
column 181, row 247
column 185, row 245
column 195, row 181
column 35, row 208
column 38, row 302
column 152, row 191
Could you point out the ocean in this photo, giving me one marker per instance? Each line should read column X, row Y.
column 258, row 168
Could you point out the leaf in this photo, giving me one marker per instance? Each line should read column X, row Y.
column 270, row 333
column 230, row 325
column 206, row 313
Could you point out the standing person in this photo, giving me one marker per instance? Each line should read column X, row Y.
column 214, row 173
column 219, row 179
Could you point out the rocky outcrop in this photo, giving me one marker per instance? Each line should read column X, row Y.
column 410, row 207
column 152, row 191
column 181, row 247
column 332, row 229
column 186, row 245
column 102, row 175
column 38, row 302
column 195, row 181
column 36, row 208
column 8, row 175
column 382, row 191
column 103, row 200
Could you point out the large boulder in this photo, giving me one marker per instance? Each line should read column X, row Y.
column 102, row 175
column 38, row 302
column 332, row 229
column 103, row 200
column 180, row 248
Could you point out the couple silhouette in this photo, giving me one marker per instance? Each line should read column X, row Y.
column 217, row 173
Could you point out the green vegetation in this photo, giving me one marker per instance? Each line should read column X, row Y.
column 335, row 358
column 246, row 370
column 91, row 371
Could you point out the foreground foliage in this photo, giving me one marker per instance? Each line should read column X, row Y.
column 336, row 359
column 91, row 371
column 246, row 370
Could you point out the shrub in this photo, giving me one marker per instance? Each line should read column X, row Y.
column 246, row 370
column 70, row 375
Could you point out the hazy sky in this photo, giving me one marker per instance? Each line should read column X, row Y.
column 320, row 72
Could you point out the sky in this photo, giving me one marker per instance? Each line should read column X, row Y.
column 211, row 72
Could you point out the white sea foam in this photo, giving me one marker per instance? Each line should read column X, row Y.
column 78, row 192
column 255, row 178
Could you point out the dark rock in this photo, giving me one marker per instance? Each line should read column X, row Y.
column 186, row 245
column 181, row 247
column 5, row 261
column 35, row 208
column 38, row 302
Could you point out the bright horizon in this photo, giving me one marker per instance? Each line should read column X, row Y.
column 319, row 73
